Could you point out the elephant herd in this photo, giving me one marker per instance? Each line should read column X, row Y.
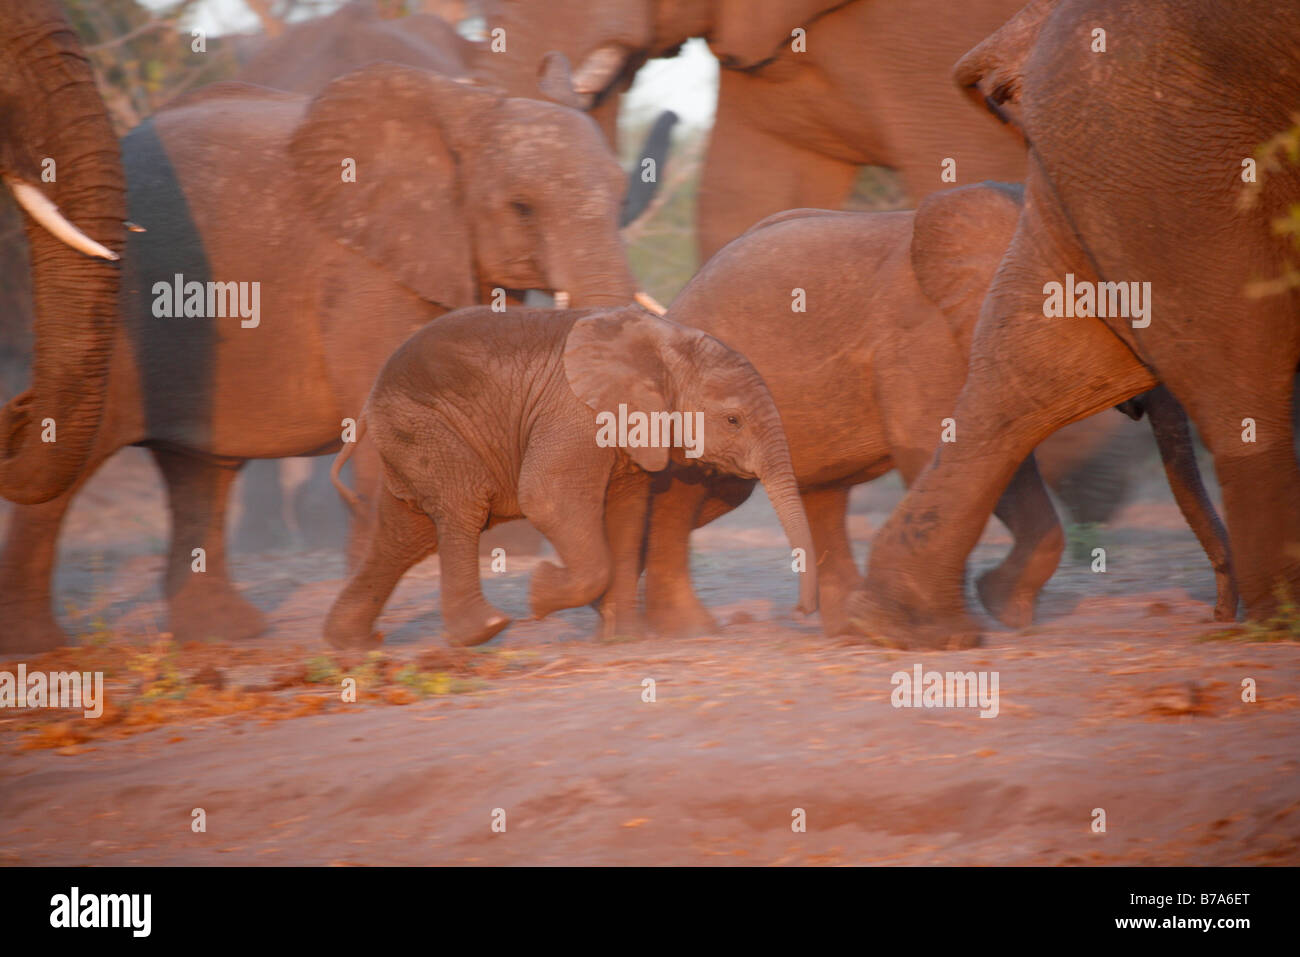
column 331, row 253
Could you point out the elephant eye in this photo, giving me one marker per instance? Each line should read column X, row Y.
column 522, row 209
column 733, row 421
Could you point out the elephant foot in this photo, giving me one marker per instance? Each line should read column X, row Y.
column 1225, row 606
column 29, row 627
column 1012, row 606
column 467, row 634
column 554, row 588
column 349, row 629
column 201, row 614
column 682, row 619
column 832, row 605
column 919, row 626
column 615, row 624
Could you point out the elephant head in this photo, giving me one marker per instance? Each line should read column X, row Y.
column 606, row 45
column 311, row 53
column 651, row 365
column 746, row 34
column 59, row 157
column 958, row 239
column 608, row 42
column 459, row 188
column 308, row 55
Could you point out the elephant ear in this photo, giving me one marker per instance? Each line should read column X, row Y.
column 618, row 357
column 746, row 33
column 403, row 132
column 958, row 239
column 992, row 73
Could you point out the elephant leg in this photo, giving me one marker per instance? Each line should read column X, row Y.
column 914, row 415
column 626, row 508
column 321, row 517
column 571, row 514
column 201, row 603
column 261, row 520
column 467, row 617
column 27, row 561
column 837, row 573
column 1009, row 590
column 1029, row 375
column 578, row 537
column 1174, row 439
column 367, row 482
column 672, row 607
column 403, row 536
column 1093, row 483
column 736, row 192
column 1260, row 479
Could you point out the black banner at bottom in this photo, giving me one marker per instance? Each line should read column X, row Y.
column 331, row 906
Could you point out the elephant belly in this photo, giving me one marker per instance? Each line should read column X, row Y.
column 220, row 384
column 833, row 433
column 841, row 460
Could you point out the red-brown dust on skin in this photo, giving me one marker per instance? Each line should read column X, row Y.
column 1112, row 700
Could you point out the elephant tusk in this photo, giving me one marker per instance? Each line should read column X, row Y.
column 562, row 299
column 39, row 207
column 648, row 302
column 44, row 212
column 598, row 70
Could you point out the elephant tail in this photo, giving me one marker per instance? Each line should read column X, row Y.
column 353, row 500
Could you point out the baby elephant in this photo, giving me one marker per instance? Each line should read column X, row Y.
column 557, row 416
column 861, row 325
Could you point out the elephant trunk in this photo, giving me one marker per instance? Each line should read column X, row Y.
column 776, row 473
column 643, row 180
column 47, row 432
column 598, row 275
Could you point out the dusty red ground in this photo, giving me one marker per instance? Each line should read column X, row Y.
column 1110, row 701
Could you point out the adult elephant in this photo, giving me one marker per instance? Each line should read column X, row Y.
column 308, row 55
column 865, row 84
column 59, row 159
column 1190, row 89
column 458, row 190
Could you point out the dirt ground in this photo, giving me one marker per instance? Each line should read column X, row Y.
column 1113, row 700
